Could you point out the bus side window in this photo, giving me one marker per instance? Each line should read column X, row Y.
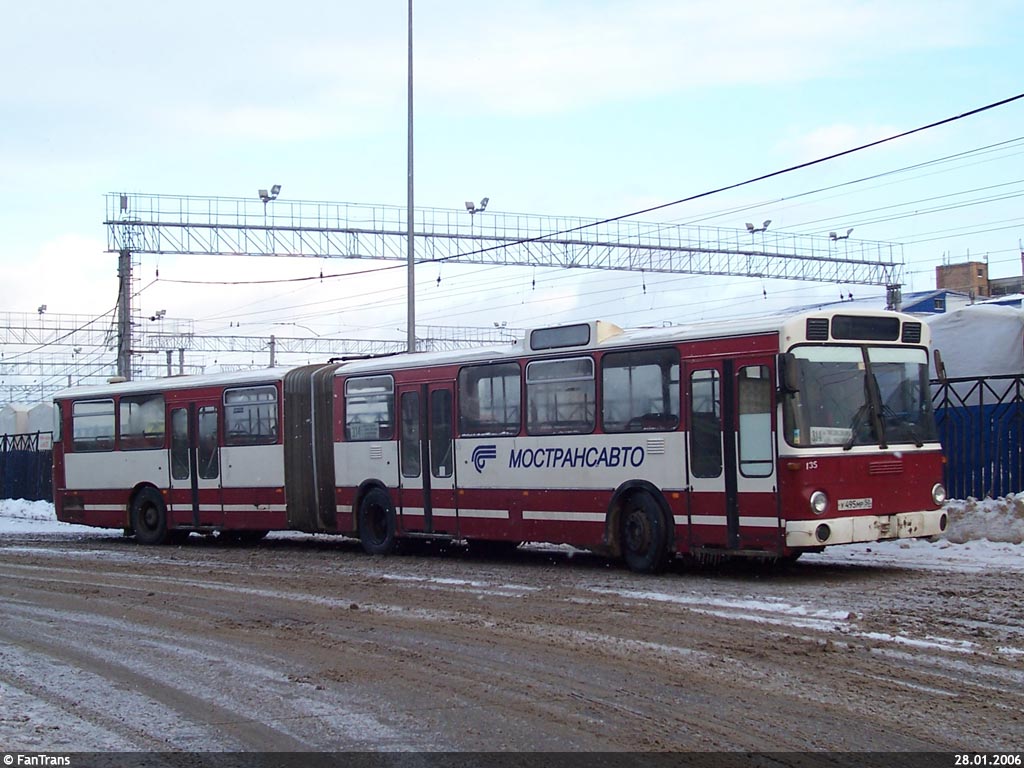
column 250, row 415
column 142, row 422
column 410, row 404
column 640, row 391
column 755, row 421
column 489, row 400
column 208, row 458
column 369, row 408
column 705, row 424
column 179, row 444
column 560, row 397
column 441, row 464
column 92, row 425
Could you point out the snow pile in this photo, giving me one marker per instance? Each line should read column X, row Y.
column 19, row 509
column 20, row 516
column 988, row 519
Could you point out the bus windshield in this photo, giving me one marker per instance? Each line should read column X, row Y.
column 853, row 395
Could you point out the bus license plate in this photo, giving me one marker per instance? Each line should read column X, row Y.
column 854, row 505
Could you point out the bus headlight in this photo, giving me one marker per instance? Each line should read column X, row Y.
column 938, row 494
column 819, row 502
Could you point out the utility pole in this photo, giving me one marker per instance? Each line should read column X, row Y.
column 124, row 314
column 410, row 214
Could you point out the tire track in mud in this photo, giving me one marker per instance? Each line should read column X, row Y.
column 137, row 706
column 456, row 654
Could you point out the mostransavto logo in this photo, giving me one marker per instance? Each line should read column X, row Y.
column 482, row 453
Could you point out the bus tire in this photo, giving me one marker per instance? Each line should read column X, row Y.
column 643, row 536
column 377, row 524
column 149, row 517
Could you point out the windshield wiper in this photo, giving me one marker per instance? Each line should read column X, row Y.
column 855, row 424
column 894, row 419
column 875, row 402
column 870, row 408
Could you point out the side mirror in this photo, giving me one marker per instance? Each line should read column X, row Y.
column 789, row 373
column 940, row 366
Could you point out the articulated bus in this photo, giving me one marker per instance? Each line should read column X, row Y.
column 767, row 438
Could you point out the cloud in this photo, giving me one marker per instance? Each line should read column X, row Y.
column 539, row 58
column 70, row 273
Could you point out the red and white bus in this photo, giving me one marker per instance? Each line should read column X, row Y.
column 766, row 438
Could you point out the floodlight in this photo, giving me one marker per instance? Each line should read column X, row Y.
column 474, row 208
column 750, row 227
column 266, row 197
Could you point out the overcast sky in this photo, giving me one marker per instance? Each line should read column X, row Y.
column 586, row 108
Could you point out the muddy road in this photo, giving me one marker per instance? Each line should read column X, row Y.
column 306, row 644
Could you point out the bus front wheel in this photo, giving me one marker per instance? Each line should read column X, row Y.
column 377, row 523
column 149, row 517
column 644, row 538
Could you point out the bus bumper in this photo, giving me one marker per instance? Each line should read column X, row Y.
column 864, row 528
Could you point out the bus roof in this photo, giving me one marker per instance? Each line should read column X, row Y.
column 791, row 327
column 603, row 336
column 256, row 376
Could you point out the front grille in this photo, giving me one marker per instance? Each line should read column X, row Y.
column 885, row 468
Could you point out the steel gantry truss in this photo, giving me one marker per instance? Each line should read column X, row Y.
column 268, row 226
column 167, row 224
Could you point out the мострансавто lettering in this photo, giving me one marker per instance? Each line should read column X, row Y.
column 576, row 458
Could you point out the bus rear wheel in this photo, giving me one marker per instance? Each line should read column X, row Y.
column 149, row 517
column 644, row 537
column 377, row 523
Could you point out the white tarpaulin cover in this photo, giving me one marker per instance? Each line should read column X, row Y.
column 980, row 340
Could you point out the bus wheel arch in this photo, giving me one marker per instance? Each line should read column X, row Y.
column 376, row 520
column 639, row 527
column 148, row 515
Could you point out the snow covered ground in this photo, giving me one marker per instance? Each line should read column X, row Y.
column 983, row 534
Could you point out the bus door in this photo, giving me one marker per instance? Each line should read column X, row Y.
column 731, row 455
column 426, row 450
column 195, row 497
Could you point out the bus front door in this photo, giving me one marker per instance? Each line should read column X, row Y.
column 195, row 485
column 426, row 455
column 732, row 456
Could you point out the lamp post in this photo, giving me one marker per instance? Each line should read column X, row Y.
column 410, row 244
